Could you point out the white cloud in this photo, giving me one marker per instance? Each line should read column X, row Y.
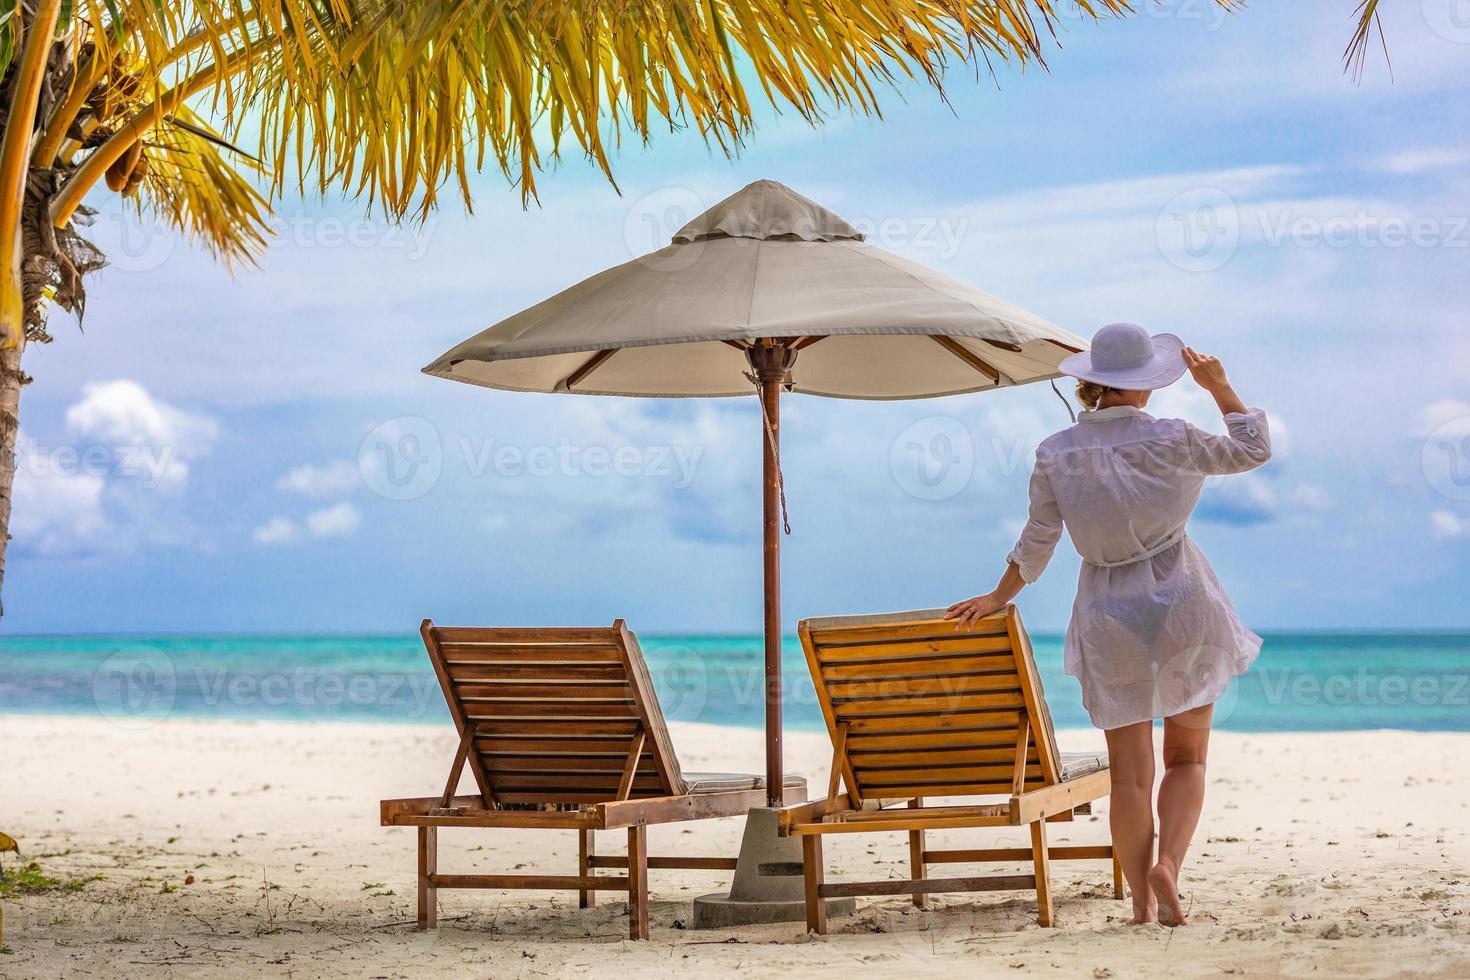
column 55, row 511
column 334, row 522
column 1251, row 498
column 1075, row 204
column 278, row 530
column 1423, row 159
column 328, row 480
column 1186, row 400
column 329, row 522
column 689, row 468
column 1446, row 524
column 148, row 438
column 1447, row 417
column 104, row 489
column 1309, row 496
column 124, row 412
column 1240, row 500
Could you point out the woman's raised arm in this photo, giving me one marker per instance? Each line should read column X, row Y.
column 1209, row 374
column 1249, row 443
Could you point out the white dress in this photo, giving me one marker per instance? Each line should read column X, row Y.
column 1152, row 632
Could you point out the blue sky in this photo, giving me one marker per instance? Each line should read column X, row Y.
column 202, row 458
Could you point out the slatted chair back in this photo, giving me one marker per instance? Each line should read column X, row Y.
column 553, row 717
column 917, row 708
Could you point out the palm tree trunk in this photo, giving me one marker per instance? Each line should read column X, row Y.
column 11, row 381
column 27, row 81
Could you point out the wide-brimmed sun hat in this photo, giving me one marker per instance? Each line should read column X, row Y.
column 1125, row 357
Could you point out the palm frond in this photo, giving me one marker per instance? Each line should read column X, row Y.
column 181, row 120
column 428, row 91
column 1356, row 55
column 392, row 100
column 9, row 26
column 191, row 184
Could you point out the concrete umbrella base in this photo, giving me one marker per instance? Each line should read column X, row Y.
column 768, row 881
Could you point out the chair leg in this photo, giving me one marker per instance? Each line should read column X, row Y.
column 916, row 858
column 1041, row 858
column 428, row 865
column 638, row 882
column 586, row 848
column 1119, row 891
column 811, row 861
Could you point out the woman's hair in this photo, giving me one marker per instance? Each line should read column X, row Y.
column 1090, row 393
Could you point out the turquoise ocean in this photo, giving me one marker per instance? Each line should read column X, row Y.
column 1302, row 681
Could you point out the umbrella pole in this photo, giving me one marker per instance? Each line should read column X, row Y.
column 771, row 533
column 770, row 360
column 767, row 886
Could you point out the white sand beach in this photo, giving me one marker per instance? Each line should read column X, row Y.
column 232, row 848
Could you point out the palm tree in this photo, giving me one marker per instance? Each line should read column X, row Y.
column 1356, row 55
column 393, row 100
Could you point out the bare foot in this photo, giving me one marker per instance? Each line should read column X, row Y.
column 1165, row 887
column 1145, row 911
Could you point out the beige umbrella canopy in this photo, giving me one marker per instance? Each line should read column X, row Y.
column 764, row 263
column 766, row 286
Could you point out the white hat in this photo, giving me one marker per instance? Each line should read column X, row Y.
column 1125, row 357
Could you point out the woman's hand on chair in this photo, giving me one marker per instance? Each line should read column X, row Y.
column 971, row 611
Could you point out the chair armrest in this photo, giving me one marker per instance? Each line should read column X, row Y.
column 673, row 809
column 1037, row 804
column 390, row 811
column 812, row 811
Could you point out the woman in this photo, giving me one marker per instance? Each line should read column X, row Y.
column 1153, row 634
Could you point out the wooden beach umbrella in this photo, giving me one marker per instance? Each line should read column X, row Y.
column 764, row 291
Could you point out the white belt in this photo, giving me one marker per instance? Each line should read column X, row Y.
column 1157, row 549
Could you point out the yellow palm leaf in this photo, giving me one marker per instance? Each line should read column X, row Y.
column 515, row 79
column 196, row 185
column 391, row 100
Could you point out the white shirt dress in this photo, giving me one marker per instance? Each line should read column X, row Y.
column 1153, row 633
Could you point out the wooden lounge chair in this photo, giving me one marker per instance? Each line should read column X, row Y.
column 918, row 710
column 561, row 730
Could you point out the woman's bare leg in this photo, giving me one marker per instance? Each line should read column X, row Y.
column 1181, row 795
column 1131, row 812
